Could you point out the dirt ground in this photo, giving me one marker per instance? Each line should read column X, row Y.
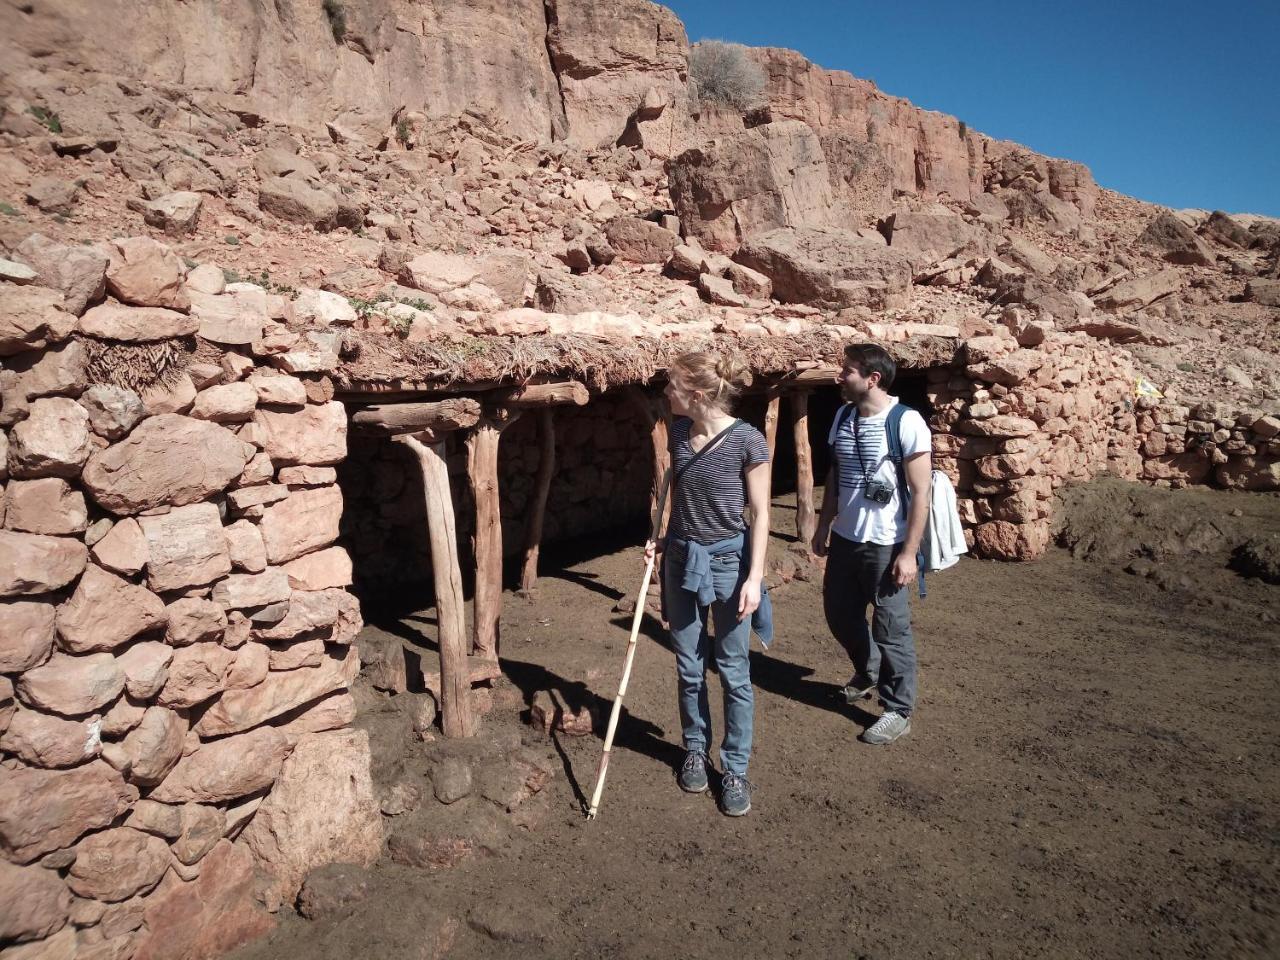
column 1093, row 772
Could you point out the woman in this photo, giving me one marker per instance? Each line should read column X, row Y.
column 713, row 562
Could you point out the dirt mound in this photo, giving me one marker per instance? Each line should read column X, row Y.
column 1157, row 532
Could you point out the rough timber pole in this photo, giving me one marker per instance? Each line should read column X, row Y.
column 538, row 506
column 482, row 470
column 806, row 519
column 771, row 420
column 456, row 717
column 656, row 421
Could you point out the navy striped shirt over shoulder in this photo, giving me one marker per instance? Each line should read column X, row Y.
column 711, row 495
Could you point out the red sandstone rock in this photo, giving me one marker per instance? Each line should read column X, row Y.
column 235, row 318
column 26, row 634
column 226, row 403
column 167, row 459
column 306, row 520
column 829, row 267
column 196, row 673
column 146, row 668
column 326, row 568
column 334, row 611
column 930, row 237
column 321, row 810
column 315, row 434
column 76, row 270
column 123, row 549
column 194, row 620
column 226, row 769
column 186, row 547
column 1175, row 242
column 155, row 746
column 241, row 590
column 116, row 321
column 146, row 273
column 36, row 903
column 44, row 810
column 279, row 693
column 207, row 917
column 46, row 741
column 32, row 317
column 252, row 661
column 52, row 442
column 30, row 563
column 113, row 411
column 106, row 611
column 116, row 864
column 1002, row 540
column 72, row 686
column 244, row 542
column 48, row 505
column 642, row 241
column 278, row 389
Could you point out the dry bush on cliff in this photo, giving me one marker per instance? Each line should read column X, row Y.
column 725, row 73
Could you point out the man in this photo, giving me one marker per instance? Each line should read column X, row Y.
column 874, row 537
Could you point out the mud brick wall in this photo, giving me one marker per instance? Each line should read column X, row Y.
column 602, row 478
column 175, row 624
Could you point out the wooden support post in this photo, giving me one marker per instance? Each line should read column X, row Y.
column 806, row 518
column 537, row 511
column 771, row 420
column 482, row 470
column 456, row 717
column 653, row 415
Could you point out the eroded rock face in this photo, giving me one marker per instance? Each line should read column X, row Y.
column 321, row 810
column 759, row 180
column 829, row 267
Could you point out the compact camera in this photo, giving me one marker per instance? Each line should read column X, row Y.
column 879, row 492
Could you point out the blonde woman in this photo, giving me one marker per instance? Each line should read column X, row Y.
column 714, row 563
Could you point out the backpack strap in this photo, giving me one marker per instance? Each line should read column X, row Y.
column 842, row 417
column 893, row 433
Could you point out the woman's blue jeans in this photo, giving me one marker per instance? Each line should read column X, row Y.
column 692, row 638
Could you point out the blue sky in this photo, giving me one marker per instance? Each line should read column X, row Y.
column 1175, row 102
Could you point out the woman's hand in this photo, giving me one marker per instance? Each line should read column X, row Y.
column 654, row 547
column 748, row 599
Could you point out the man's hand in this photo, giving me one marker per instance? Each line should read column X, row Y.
column 905, row 569
column 820, row 537
column 748, row 599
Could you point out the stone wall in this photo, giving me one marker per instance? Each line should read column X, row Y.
column 603, row 470
column 175, row 625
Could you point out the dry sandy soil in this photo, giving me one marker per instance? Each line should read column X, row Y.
column 1092, row 773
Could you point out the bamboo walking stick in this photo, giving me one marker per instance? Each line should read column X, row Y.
column 631, row 650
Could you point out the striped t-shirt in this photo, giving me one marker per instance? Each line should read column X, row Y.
column 711, row 495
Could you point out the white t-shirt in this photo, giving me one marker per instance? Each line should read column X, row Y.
column 857, row 518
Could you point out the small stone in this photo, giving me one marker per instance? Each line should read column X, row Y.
column 194, row 620
column 113, row 411
column 116, row 864
column 451, row 780
column 124, row 548
column 146, row 668
column 402, row 797
column 330, row 890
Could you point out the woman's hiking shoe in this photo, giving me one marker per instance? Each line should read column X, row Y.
column 859, row 687
column 693, row 772
column 735, row 795
column 887, row 729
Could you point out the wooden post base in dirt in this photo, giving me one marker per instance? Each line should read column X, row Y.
column 456, row 716
column 538, row 507
column 482, row 470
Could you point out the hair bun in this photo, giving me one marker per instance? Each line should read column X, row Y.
column 732, row 370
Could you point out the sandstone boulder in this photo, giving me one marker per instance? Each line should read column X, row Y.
column 334, row 613
column 641, row 241
column 1174, row 241
column 146, row 273
column 185, row 547
column 124, row 548
column 45, row 810
column 32, row 317
column 225, row 403
column 244, row 541
column 241, row 590
column 321, row 570
column 106, row 611
column 282, row 691
column 314, row 435
column 113, row 411
column 226, row 769
column 116, row 321
column 31, row 563
column 294, row 200
column 321, row 810
column 1264, row 292
column 49, row 505
column 37, row 903
column 167, row 459
column 146, row 668
column 196, row 673
column 155, row 745
column 193, row 620
column 234, row 318
column 177, row 214
column 829, row 267
column 42, row 740
column 115, row 864
column 77, row 271
column 26, row 634
column 302, row 522
column 769, row 177
column 1139, row 291
column 72, row 686
column 52, row 442
column 929, row 237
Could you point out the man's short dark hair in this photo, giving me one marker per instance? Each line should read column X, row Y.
column 872, row 358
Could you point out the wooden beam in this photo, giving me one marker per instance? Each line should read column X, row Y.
column 543, row 395
column 654, row 415
column 482, row 470
column 771, row 421
column 456, row 716
column 806, row 518
column 455, row 413
column 816, row 377
column 537, row 510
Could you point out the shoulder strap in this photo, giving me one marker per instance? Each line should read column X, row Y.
column 706, row 448
column 893, row 434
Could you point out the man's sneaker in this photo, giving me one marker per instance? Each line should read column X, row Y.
column 887, row 729
column 693, row 772
column 859, row 687
column 735, row 795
